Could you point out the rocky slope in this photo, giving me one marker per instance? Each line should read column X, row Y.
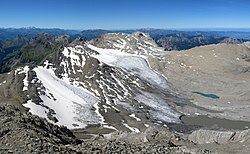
column 26, row 133
column 29, row 50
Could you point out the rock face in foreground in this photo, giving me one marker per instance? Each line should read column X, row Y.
column 26, row 133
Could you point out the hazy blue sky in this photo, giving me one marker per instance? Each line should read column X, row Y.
column 125, row 14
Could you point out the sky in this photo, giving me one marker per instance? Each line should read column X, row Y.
column 125, row 14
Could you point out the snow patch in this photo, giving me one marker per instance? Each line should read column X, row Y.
column 36, row 109
column 25, row 80
column 133, row 129
column 136, row 118
column 109, row 127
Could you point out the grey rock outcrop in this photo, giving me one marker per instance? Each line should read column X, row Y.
column 220, row 137
column 27, row 133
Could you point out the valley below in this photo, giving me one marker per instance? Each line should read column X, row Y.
column 215, row 78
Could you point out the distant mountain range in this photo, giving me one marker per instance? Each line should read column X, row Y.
column 11, row 33
column 156, row 33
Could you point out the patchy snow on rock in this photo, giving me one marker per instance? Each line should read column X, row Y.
column 77, row 101
column 102, row 120
column 19, row 71
column 23, row 70
column 139, row 66
column 74, row 55
column 120, row 84
column 135, row 64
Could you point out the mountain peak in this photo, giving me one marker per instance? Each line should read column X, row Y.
column 95, row 80
column 138, row 43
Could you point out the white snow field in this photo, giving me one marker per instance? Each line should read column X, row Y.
column 72, row 105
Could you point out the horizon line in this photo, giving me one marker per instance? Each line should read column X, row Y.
column 149, row 28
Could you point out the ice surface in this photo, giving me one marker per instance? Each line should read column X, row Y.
column 131, row 63
column 71, row 104
column 162, row 111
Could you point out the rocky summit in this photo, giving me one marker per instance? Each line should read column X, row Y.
column 122, row 93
